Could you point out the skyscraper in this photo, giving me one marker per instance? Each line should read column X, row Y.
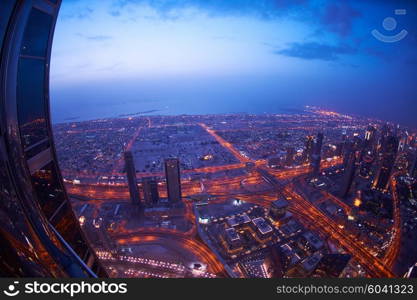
column 131, row 178
column 366, row 165
column 347, row 150
column 387, row 161
column 308, row 151
column 40, row 235
column 316, row 157
column 349, row 174
column 412, row 171
column 369, row 141
column 173, row 177
column 150, row 191
column 290, row 156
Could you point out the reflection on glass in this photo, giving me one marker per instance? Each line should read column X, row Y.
column 17, row 249
column 48, row 189
column 31, row 101
column 52, row 199
column 5, row 12
column 36, row 37
column 66, row 224
column 37, row 148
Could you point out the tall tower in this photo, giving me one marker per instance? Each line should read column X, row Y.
column 150, row 191
column 412, row 171
column 131, row 178
column 369, row 140
column 349, row 174
column 316, row 157
column 173, row 177
column 388, row 156
column 290, row 156
column 308, row 151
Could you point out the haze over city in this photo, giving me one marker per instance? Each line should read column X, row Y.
column 199, row 57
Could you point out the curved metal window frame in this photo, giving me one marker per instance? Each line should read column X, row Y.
column 60, row 256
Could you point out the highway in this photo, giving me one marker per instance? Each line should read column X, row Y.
column 326, row 225
column 281, row 183
column 395, row 244
column 317, row 219
column 197, row 248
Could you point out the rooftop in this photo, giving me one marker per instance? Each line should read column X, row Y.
column 262, row 225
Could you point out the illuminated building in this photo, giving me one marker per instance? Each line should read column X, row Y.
column 310, row 242
column 39, row 233
column 388, row 156
column 239, row 220
column 232, row 239
column 366, row 165
column 384, row 133
column 278, row 209
column 339, row 149
column 331, row 265
column 347, row 150
column 274, row 163
column 413, row 167
column 412, row 272
column 308, row 151
column 263, row 229
column 255, row 268
column 316, row 156
column 402, row 144
column 349, row 175
column 305, row 267
column 173, row 178
column 289, row 256
column 290, row 156
column 150, row 191
column 369, row 138
column 131, row 178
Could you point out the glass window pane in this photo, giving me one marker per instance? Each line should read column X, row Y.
column 35, row 40
column 67, row 225
column 36, row 149
column 48, row 189
column 5, row 12
column 31, row 101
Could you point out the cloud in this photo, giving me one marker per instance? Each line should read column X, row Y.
column 80, row 12
column 95, row 37
column 265, row 9
column 339, row 17
column 315, row 51
column 110, row 67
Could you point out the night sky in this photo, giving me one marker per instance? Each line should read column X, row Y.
column 220, row 56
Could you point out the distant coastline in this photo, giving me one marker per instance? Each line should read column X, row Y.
column 140, row 113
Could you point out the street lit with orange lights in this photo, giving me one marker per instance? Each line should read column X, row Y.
column 242, row 202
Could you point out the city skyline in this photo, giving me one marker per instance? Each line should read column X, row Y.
column 197, row 57
column 269, row 196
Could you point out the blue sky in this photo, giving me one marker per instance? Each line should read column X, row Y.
column 216, row 56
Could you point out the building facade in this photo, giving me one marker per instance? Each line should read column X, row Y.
column 173, row 177
column 131, row 178
column 316, row 156
column 150, row 191
column 386, row 164
column 39, row 233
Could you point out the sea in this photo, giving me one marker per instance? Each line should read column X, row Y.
column 77, row 111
